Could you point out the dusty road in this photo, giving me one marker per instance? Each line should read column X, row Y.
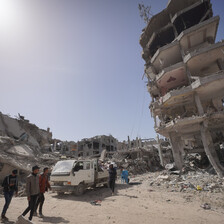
column 135, row 203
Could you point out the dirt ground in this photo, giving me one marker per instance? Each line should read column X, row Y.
column 135, row 203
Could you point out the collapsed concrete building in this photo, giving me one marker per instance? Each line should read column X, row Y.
column 142, row 155
column 185, row 71
column 160, row 147
column 23, row 145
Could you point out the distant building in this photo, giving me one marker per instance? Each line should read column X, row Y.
column 88, row 146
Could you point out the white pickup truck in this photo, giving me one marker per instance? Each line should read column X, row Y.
column 77, row 175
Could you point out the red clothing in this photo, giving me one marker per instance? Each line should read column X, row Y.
column 44, row 183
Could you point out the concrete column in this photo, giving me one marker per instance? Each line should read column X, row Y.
column 176, row 149
column 54, row 146
column 160, row 151
column 210, row 150
column 220, row 64
column 140, row 142
column 154, row 117
column 136, row 142
column 207, row 141
column 198, row 104
column 129, row 143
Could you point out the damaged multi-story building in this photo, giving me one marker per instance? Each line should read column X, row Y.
column 87, row 147
column 185, row 71
column 95, row 145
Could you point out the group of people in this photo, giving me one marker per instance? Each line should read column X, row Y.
column 36, row 186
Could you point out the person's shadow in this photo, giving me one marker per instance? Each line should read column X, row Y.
column 52, row 219
column 7, row 222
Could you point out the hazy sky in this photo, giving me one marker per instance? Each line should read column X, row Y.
column 75, row 65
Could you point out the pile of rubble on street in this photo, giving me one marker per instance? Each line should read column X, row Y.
column 188, row 182
column 138, row 164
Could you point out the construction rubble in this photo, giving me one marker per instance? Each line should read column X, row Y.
column 22, row 145
column 138, row 160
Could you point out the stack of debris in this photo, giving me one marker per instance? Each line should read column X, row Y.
column 23, row 145
column 138, row 160
column 191, row 181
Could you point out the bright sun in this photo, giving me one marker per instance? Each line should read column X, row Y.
column 8, row 13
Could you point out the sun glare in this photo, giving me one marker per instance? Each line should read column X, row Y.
column 8, row 13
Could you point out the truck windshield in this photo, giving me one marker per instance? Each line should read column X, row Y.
column 63, row 167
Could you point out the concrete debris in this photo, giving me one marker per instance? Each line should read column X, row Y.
column 206, row 206
column 189, row 182
column 185, row 72
column 169, row 166
column 141, row 156
column 22, row 220
column 138, row 156
column 23, row 145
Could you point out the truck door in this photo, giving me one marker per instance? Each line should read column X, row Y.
column 89, row 171
column 83, row 172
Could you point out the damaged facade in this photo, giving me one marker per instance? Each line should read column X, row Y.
column 185, row 71
column 87, row 146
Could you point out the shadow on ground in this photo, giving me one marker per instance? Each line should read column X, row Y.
column 99, row 193
column 135, row 183
column 53, row 219
column 7, row 221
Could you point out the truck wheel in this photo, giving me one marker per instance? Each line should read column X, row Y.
column 79, row 190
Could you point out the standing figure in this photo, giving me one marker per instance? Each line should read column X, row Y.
column 125, row 175
column 10, row 185
column 32, row 190
column 112, row 177
column 122, row 176
column 44, row 186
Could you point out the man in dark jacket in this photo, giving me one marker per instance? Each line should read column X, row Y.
column 32, row 190
column 112, row 177
column 44, row 186
column 10, row 185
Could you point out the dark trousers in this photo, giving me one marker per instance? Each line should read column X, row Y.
column 31, row 206
column 40, row 202
column 112, row 185
column 8, row 198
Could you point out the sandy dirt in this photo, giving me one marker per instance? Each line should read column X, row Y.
column 135, row 203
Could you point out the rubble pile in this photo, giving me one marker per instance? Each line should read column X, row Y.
column 189, row 182
column 139, row 166
column 23, row 145
column 138, row 161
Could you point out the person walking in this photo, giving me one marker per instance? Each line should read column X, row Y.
column 32, row 190
column 44, row 186
column 112, row 177
column 10, row 185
